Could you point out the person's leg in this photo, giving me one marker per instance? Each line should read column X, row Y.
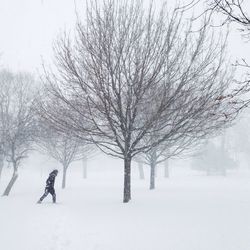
column 43, row 196
column 53, row 193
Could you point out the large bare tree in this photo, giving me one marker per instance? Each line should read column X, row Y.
column 131, row 72
column 16, row 119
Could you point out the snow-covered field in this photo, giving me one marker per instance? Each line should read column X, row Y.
column 186, row 212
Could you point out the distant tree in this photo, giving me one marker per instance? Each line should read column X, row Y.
column 175, row 145
column 62, row 148
column 152, row 159
column 214, row 159
column 2, row 138
column 17, row 96
column 166, row 168
column 129, row 69
column 88, row 152
column 1, row 163
column 1, row 147
column 139, row 162
column 141, row 170
column 239, row 143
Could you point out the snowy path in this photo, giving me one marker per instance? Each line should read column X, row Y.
column 183, row 213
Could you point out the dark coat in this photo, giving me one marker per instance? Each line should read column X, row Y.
column 50, row 181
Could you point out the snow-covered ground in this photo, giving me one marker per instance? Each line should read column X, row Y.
column 186, row 212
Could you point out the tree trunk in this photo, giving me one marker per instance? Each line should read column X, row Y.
column 127, row 180
column 152, row 175
column 1, row 165
column 223, row 151
column 208, row 171
column 65, row 168
column 12, row 182
column 153, row 163
column 166, row 169
column 84, row 167
column 141, row 170
column 9, row 165
column 156, row 170
column 223, row 171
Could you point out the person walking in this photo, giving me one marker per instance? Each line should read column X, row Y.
column 49, row 189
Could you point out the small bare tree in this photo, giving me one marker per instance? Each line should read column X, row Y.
column 1, row 162
column 2, row 138
column 128, row 69
column 17, row 119
column 88, row 152
column 153, row 158
column 141, row 170
column 166, row 168
column 175, row 145
column 60, row 147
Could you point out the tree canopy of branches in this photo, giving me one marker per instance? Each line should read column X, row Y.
column 129, row 73
column 16, row 119
column 234, row 11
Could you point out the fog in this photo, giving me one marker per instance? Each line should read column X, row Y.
column 194, row 194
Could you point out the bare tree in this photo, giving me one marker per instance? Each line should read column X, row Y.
column 166, row 168
column 17, row 119
column 214, row 158
column 60, row 147
column 1, row 163
column 139, row 163
column 88, row 151
column 84, row 167
column 141, row 170
column 2, row 138
column 174, row 146
column 153, row 158
column 128, row 69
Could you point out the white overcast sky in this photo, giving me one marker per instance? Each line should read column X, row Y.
column 28, row 28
